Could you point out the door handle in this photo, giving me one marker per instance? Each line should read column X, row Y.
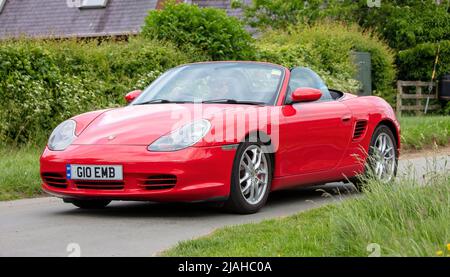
column 346, row 118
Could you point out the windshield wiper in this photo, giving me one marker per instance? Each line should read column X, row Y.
column 161, row 101
column 234, row 101
column 219, row 101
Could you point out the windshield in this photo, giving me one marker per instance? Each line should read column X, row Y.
column 203, row 82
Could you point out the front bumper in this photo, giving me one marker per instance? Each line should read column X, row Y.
column 192, row 174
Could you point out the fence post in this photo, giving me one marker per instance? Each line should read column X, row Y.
column 399, row 98
column 419, row 100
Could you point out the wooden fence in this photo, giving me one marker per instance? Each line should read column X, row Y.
column 415, row 93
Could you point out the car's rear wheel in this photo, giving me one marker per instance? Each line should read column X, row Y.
column 382, row 161
column 251, row 179
column 90, row 204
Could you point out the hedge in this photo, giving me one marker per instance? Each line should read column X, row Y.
column 405, row 24
column 209, row 30
column 402, row 23
column 45, row 82
column 327, row 48
column 417, row 63
column 279, row 14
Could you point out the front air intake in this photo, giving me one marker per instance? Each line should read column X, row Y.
column 159, row 182
column 99, row 185
column 54, row 180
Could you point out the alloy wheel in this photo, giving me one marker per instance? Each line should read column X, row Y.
column 384, row 158
column 253, row 174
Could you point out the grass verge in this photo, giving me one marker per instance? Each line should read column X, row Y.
column 425, row 132
column 402, row 219
column 19, row 173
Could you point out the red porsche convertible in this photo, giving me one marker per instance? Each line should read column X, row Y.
column 221, row 131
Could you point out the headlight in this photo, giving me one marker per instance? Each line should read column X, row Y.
column 181, row 138
column 62, row 136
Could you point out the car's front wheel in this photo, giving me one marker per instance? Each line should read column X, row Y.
column 251, row 179
column 90, row 204
column 382, row 160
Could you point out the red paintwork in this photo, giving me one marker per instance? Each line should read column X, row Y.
column 313, row 142
column 190, row 165
column 306, row 95
column 129, row 97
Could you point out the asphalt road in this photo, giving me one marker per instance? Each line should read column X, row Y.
column 48, row 227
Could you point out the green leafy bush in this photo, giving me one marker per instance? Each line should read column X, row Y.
column 44, row 83
column 417, row 63
column 403, row 24
column 206, row 29
column 446, row 109
column 279, row 14
column 327, row 48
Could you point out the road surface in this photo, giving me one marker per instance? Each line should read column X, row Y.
column 48, row 227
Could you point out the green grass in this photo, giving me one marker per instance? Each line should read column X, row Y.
column 404, row 219
column 304, row 234
column 425, row 131
column 19, row 173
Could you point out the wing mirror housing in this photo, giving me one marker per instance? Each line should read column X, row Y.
column 306, row 95
column 129, row 97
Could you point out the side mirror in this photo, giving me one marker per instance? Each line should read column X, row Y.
column 306, row 95
column 129, row 97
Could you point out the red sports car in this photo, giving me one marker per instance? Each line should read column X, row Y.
column 221, row 131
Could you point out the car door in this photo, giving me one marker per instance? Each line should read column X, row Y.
column 313, row 135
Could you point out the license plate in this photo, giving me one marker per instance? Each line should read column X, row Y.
column 94, row 172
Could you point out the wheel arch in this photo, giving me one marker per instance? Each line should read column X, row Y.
column 265, row 138
column 392, row 126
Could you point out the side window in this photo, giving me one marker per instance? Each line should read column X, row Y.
column 305, row 77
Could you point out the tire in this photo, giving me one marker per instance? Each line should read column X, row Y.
column 372, row 167
column 249, row 195
column 91, row 204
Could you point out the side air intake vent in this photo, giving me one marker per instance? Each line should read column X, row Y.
column 360, row 129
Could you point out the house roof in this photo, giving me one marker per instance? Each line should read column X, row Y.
column 54, row 18
column 48, row 18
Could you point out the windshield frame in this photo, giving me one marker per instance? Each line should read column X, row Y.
column 272, row 102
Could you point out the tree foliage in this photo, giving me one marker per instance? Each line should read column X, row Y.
column 327, row 48
column 207, row 30
column 403, row 23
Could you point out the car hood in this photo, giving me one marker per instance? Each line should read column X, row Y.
column 143, row 124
